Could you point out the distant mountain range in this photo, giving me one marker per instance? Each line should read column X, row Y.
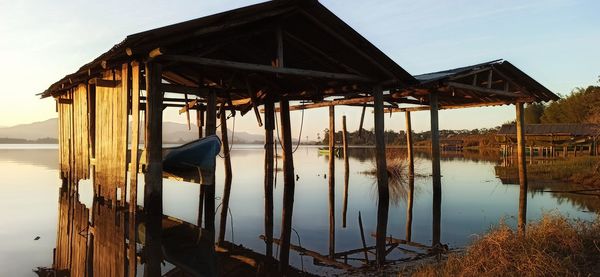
column 47, row 132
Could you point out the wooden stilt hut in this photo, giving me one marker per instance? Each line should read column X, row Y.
column 274, row 52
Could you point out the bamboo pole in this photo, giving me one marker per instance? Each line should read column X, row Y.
column 382, row 178
column 435, row 165
column 228, row 175
column 153, row 187
column 208, row 178
column 409, row 145
column 522, row 167
column 289, row 186
column 269, row 170
column 346, row 170
column 133, row 170
column 331, row 181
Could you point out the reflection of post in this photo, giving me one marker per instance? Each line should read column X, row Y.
column 409, row 145
column 522, row 167
column 133, row 170
column 153, row 187
column 409, row 207
column 288, row 186
column 382, row 178
column 331, row 181
column 200, row 123
column 346, row 170
column 435, row 166
column 269, row 127
column 227, row 166
column 208, row 178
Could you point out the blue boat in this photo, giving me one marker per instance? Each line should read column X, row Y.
column 198, row 154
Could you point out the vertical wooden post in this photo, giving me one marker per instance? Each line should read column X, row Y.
column 288, row 186
column 409, row 145
column 228, row 175
column 409, row 207
column 200, row 123
column 331, row 181
column 133, row 169
column 269, row 168
column 382, row 178
column 153, row 177
column 346, row 170
column 435, row 166
column 522, row 167
column 208, row 181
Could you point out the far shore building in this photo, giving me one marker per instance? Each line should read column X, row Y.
column 553, row 139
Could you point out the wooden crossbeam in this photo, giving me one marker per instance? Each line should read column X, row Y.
column 450, row 107
column 484, row 90
column 358, row 101
column 265, row 68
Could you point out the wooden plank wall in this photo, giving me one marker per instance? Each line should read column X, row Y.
column 64, row 107
column 74, row 133
column 111, row 135
column 109, row 240
column 71, row 239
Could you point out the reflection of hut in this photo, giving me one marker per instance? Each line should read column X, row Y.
column 549, row 139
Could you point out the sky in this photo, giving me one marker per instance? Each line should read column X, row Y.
column 554, row 41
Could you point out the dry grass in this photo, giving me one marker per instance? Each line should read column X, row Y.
column 553, row 246
column 398, row 179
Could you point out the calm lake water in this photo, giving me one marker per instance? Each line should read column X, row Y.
column 473, row 199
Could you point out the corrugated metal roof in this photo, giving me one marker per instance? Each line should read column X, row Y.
column 569, row 129
column 439, row 75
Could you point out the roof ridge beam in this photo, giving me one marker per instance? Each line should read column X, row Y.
column 265, row 68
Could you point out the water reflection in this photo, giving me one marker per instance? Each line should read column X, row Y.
column 472, row 200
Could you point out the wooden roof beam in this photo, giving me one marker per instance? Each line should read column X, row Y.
column 265, row 68
column 359, row 101
column 484, row 90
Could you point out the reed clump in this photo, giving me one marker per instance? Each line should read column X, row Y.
column 552, row 246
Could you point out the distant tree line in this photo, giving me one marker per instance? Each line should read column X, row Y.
column 581, row 106
column 475, row 137
column 26, row 141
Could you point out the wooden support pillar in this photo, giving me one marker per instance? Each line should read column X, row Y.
column 154, row 186
column 288, row 186
column 331, row 181
column 522, row 165
column 208, row 178
column 409, row 145
column 200, row 123
column 346, row 170
column 575, row 151
column 435, row 166
column 269, row 170
column 133, row 170
column 409, row 207
column 382, row 178
column 228, row 175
